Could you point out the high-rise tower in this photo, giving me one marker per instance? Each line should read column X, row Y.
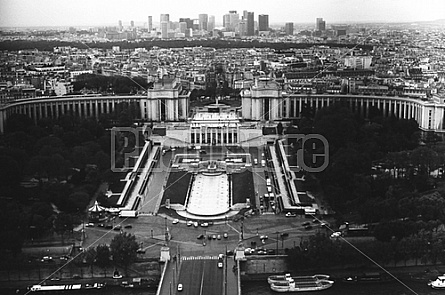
column 250, row 24
column 263, row 22
column 289, row 28
column 150, row 23
column 203, row 21
column 320, row 24
column 211, row 24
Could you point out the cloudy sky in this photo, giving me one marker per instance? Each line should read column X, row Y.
column 24, row 13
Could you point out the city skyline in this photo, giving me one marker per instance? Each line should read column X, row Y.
column 59, row 13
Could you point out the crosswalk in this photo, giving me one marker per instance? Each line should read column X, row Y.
column 207, row 257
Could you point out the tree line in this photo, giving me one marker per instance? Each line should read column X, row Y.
column 51, row 170
column 49, row 45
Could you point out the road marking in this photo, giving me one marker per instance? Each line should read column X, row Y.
column 208, row 257
column 233, row 228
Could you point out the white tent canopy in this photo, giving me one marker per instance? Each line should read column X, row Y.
column 96, row 208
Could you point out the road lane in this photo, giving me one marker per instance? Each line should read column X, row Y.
column 201, row 277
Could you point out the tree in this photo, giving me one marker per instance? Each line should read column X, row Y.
column 103, row 255
column 123, row 249
column 10, row 174
column 63, row 223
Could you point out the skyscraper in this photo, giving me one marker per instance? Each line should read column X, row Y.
column 289, row 28
column 120, row 25
column 203, row 21
column 188, row 21
column 165, row 17
column 320, row 25
column 150, row 23
column 263, row 22
column 164, row 29
column 182, row 27
column 211, row 24
column 242, row 28
column 234, row 20
column 226, row 21
column 132, row 24
column 250, row 24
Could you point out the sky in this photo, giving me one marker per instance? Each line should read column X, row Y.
column 43, row 13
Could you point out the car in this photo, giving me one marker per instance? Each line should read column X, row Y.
column 128, row 226
column 46, row 259
column 189, row 223
column 229, row 252
column 101, row 225
column 175, row 221
column 205, row 224
column 140, row 251
column 218, row 237
column 214, row 237
column 225, row 235
column 180, row 287
column 315, row 221
column 76, row 276
column 263, row 237
column 209, row 237
column 89, row 224
column 200, row 237
column 305, row 223
column 195, row 224
column 117, row 276
column 220, row 264
column 336, row 234
column 288, row 214
column 284, row 235
column 118, row 227
column 324, row 224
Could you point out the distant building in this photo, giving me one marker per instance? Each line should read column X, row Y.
column 263, row 22
column 150, row 23
column 182, row 27
column 188, row 21
column 250, row 24
column 358, row 62
column 289, row 28
column 203, row 21
column 165, row 17
column 226, row 21
column 340, row 30
column 211, row 23
column 164, row 30
column 242, row 28
column 234, row 20
column 320, row 25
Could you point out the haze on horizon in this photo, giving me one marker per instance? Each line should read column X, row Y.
column 60, row 13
